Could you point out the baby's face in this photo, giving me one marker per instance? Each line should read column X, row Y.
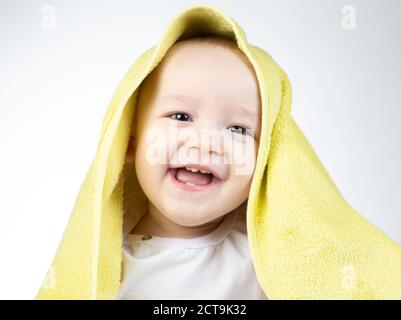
column 200, row 108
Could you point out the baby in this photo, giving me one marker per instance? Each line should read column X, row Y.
column 202, row 107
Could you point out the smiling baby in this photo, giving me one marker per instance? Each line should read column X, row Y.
column 194, row 142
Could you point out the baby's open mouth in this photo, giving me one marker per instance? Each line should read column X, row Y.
column 193, row 179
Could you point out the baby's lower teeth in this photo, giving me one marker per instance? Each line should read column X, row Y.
column 189, row 183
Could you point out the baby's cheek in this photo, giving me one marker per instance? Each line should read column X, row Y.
column 156, row 146
column 243, row 157
column 238, row 185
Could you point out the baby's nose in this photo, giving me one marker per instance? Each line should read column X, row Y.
column 207, row 140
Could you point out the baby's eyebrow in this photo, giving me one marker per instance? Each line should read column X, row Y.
column 244, row 110
column 182, row 98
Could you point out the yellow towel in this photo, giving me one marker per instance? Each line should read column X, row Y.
column 306, row 241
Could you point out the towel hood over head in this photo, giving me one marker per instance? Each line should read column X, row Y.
column 305, row 240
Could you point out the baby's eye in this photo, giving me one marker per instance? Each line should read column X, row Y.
column 238, row 129
column 180, row 116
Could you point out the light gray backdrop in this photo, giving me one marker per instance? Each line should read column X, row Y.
column 60, row 62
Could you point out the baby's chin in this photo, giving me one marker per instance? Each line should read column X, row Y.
column 190, row 217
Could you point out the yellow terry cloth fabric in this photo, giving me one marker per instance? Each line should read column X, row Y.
column 305, row 240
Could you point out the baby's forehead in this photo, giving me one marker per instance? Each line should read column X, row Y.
column 207, row 70
column 188, row 99
column 211, row 49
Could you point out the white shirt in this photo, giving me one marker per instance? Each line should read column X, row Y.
column 216, row 266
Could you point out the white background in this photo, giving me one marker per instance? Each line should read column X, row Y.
column 57, row 77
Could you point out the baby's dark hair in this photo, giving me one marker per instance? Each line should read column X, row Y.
column 212, row 39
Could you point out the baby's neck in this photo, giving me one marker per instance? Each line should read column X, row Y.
column 156, row 224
